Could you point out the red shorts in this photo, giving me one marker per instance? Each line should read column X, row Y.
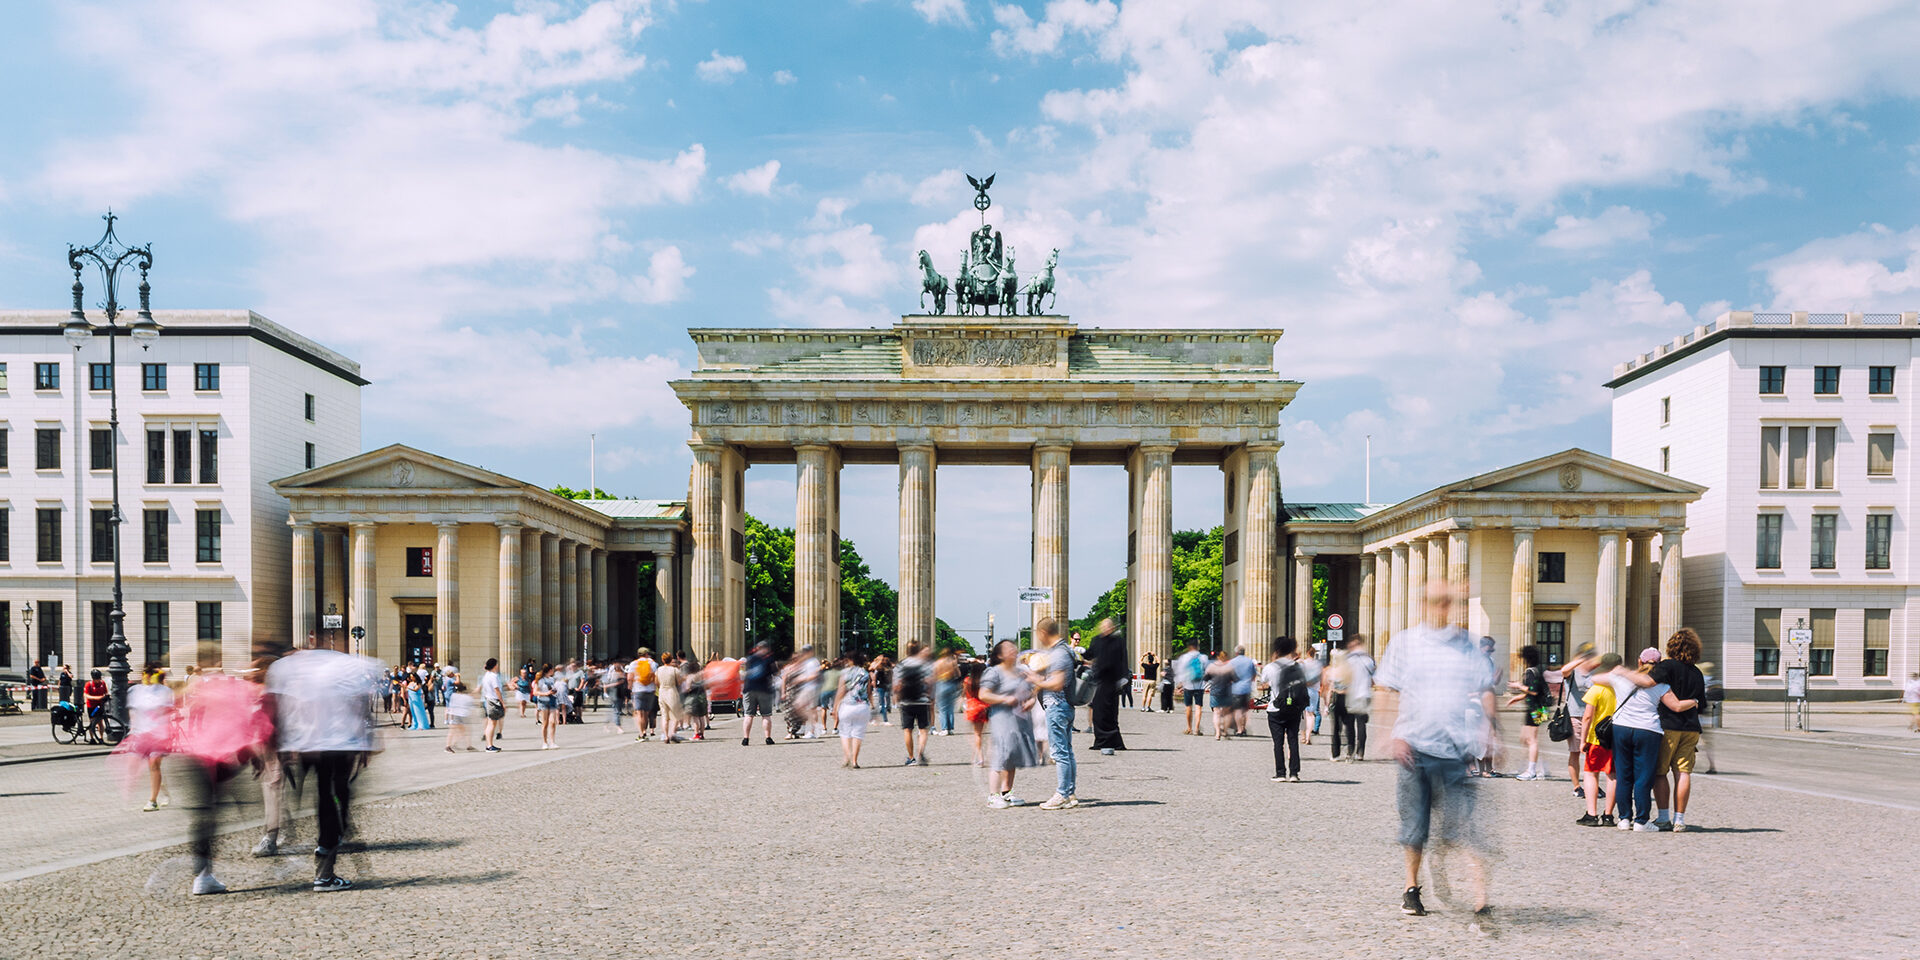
column 1599, row 759
column 976, row 710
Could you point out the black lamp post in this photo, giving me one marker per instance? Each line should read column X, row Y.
column 109, row 255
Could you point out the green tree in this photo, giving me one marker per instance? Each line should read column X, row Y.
column 770, row 584
column 595, row 494
column 1197, row 569
column 1113, row 604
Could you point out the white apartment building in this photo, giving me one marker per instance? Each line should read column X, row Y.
column 224, row 402
column 1800, row 425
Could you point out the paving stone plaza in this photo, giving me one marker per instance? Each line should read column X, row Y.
column 1181, row 849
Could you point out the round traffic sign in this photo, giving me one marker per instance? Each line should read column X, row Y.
column 1335, row 621
column 586, row 628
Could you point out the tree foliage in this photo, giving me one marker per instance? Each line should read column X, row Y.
column 595, row 494
column 1197, row 568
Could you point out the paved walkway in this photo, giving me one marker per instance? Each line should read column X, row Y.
column 1183, row 849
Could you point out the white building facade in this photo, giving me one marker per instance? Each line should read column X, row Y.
column 220, row 405
column 1799, row 426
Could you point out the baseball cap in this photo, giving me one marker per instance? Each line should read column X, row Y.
column 1650, row 655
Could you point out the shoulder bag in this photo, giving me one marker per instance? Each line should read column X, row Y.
column 1603, row 731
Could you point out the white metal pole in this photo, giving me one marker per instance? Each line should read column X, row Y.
column 1369, row 468
column 592, row 481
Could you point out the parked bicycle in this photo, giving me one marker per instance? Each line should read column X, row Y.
column 69, row 726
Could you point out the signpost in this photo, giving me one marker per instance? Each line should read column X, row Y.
column 586, row 630
column 1036, row 595
column 358, row 634
column 1798, row 713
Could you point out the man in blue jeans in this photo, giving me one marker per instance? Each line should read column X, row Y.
column 1054, row 678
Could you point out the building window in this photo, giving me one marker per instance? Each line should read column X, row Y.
column 46, row 376
column 6, row 634
column 209, row 456
column 206, row 376
column 3, row 448
column 183, row 456
column 1666, row 410
column 1823, row 449
column 419, row 561
column 100, row 376
column 46, row 448
column 206, row 536
column 1826, row 380
column 1766, row 541
column 102, row 526
column 153, row 376
column 102, row 630
column 1773, row 379
column 1770, row 458
column 309, row 408
column 1879, row 541
column 1826, row 527
column 6, row 535
column 1553, row 568
column 154, row 535
column 1880, row 381
column 53, row 634
column 1820, row 657
column 207, row 616
column 47, row 534
column 1879, row 454
column 159, row 616
column 311, row 457
column 1666, row 459
column 100, row 449
column 1766, row 642
column 156, row 456
column 3, row 376
column 1797, row 457
column 1551, row 637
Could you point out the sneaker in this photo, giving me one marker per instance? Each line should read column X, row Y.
column 492, row 749
column 1679, row 827
column 1277, row 779
column 1410, row 903
column 1013, row 801
column 1525, row 775
column 1587, row 821
column 769, row 741
column 1664, row 826
column 1294, row 779
column 923, row 761
column 907, row 762
column 1579, row 793
column 1606, row 819
column 207, row 883
column 1055, row 802
column 267, row 847
column 998, row 802
column 1625, row 825
column 330, row 884
column 1646, row 828
column 150, row 807
column 1106, row 751
column 1071, row 803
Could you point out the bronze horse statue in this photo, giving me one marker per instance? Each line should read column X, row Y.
column 1041, row 285
column 932, row 282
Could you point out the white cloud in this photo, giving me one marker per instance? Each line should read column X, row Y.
column 828, row 212
column 755, row 181
column 720, row 68
column 1021, row 34
column 665, row 280
column 1876, row 269
column 1614, row 225
column 944, row 189
column 936, row 11
column 785, row 77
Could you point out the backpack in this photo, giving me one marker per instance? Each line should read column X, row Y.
column 1081, row 684
column 1196, row 668
column 755, row 673
column 643, row 672
column 1292, row 695
column 913, row 682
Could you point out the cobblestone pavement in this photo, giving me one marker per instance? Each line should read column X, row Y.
column 1182, row 849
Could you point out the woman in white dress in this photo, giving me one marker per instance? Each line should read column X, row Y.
column 856, row 686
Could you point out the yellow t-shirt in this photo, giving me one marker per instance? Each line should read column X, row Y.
column 1600, row 697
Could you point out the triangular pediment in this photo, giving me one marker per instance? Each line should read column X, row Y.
column 1575, row 472
column 397, row 467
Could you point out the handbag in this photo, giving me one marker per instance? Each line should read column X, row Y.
column 1560, row 728
column 1603, row 731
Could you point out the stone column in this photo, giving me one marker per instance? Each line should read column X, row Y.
column 1050, row 492
column 665, row 637
column 1457, row 573
column 446, row 593
column 532, row 600
column 1520, row 612
column 569, row 633
column 552, row 643
column 332, row 542
column 1606, row 596
column 1639, row 591
column 709, row 581
column 1671, row 590
column 302, row 600
column 1364, row 626
column 1260, row 551
column 1416, row 582
column 510, row 585
column 583, row 599
column 602, row 624
column 1397, row 587
column 1154, row 619
column 1436, row 565
column 360, row 588
column 1302, row 600
column 917, row 465
column 1382, row 601
column 814, row 585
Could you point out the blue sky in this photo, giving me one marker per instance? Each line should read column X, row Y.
column 509, row 213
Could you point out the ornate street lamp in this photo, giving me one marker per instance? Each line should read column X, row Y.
column 109, row 255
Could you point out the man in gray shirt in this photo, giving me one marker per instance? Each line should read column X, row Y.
column 1054, row 679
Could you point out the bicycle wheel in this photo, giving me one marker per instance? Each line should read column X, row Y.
column 114, row 730
column 66, row 734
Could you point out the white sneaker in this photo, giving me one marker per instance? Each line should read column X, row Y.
column 207, row 883
column 267, row 847
column 1013, row 801
column 1646, row 828
column 998, row 802
column 1625, row 824
column 1054, row 802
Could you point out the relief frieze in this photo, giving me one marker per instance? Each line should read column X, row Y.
column 984, row 353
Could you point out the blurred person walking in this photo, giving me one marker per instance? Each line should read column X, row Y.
column 150, row 731
column 323, row 703
column 976, row 709
column 693, row 698
column 1007, row 690
column 1112, row 674
column 881, row 672
column 460, row 706
column 1532, row 695
column 223, row 725
column 912, row 691
column 1245, row 670
column 673, row 714
column 1220, row 681
column 1353, row 700
column 1286, row 686
column 546, row 712
column 613, row 680
column 646, row 696
column 756, row 692
column 1576, row 678
column 946, row 691
column 1191, row 673
column 1053, row 679
column 851, row 699
column 1911, row 696
column 493, row 704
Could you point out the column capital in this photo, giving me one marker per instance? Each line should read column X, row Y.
column 927, row 445
column 300, row 525
column 1674, row 532
column 1052, row 445
column 362, row 525
column 666, row 554
column 1260, row 447
column 508, row 526
column 1158, row 446
column 545, row 536
column 707, row 450
column 1400, row 548
column 1525, row 529
column 444, row 525
column 1300, row 553
column 813, row 443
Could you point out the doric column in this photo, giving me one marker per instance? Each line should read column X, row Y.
column 360, row 612
column 664, row 615
column 446, row 593
column 917, row 465
column 709, row 582
column 1367, row 599
column 814, row 585
column 569, row 600
column 1397, row 611
column 1520, row 609
column 1639, row 591
column 1050, row 492
column 510, row 585
column 1457, row 573
column 1154, row 619
column 1260, row 551
column 602, row 625
column 1671, row 591
column 583, row 599
column 332, row 544
column 1606, row 595
column 1382, row 602
column 532, row 600
column 1436, row 565
column 302, row 600
column 1416, row 582
column 552, row 642
column 1302, row 600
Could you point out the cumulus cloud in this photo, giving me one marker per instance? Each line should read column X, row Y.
column 1876, row 269
column 666, row 278
column 1613, row 225
column 785, row 77
column 1020, row 33
column 720, row 68
column 755, row 181
column 937, row 11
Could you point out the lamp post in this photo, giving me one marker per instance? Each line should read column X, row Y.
column 108, row 255
column 26, row 626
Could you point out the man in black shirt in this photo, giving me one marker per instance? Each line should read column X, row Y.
column 1680, row 729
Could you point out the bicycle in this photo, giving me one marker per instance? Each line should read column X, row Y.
column 101, row 728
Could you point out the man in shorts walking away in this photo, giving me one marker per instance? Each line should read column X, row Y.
column 323, row 703
column 913, row 692
column 646, row 692
column 1679, row 729
column 1190, row 672
column 756, row 692
column 492, row 704
column 1445, row 690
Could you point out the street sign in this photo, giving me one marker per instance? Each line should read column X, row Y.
column 1036, row 595
column 1335, row 622
column 1335, row 634
column 1800, row 637
column 586, row 629
column 1796, row 683
column 332, row 621
column 359, row 633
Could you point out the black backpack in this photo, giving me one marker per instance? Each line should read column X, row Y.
column 1292, row 695
column 913, row 682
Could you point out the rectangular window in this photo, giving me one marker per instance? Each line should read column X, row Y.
column 102, row 527
column 1773, row 379
column 46, row 448
column 6, row 535
column 1551, row 637
column 1879, row 454
column 6, row 634
column 51, row 619
column 209, row 456
column 1553, row 568
column 46, row 376
column 156, row 456
column 1666, row 410
column 153, row 376
column 1823, row 446
column 3, row 448
column 206, row 536
column 208, row 617
column 1666, row 459
column 1820, row 658
column 1879, row 541
column 1766, row 541
column 3, row 376
column 100, row 449
column 1797, row 457
column 419, row 561
column 206, row 376
column 183, row 456
column 1873, row 661
column 310, row 457
column 1826, row 380
column 154, row 535
column 100, row 376
column 1826, row 527
column 1880, row 381
column 102, row 630
column 47, row 534
column 1766, row 642
column 159, row 617
column 1770, row 458
column 309, row 408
